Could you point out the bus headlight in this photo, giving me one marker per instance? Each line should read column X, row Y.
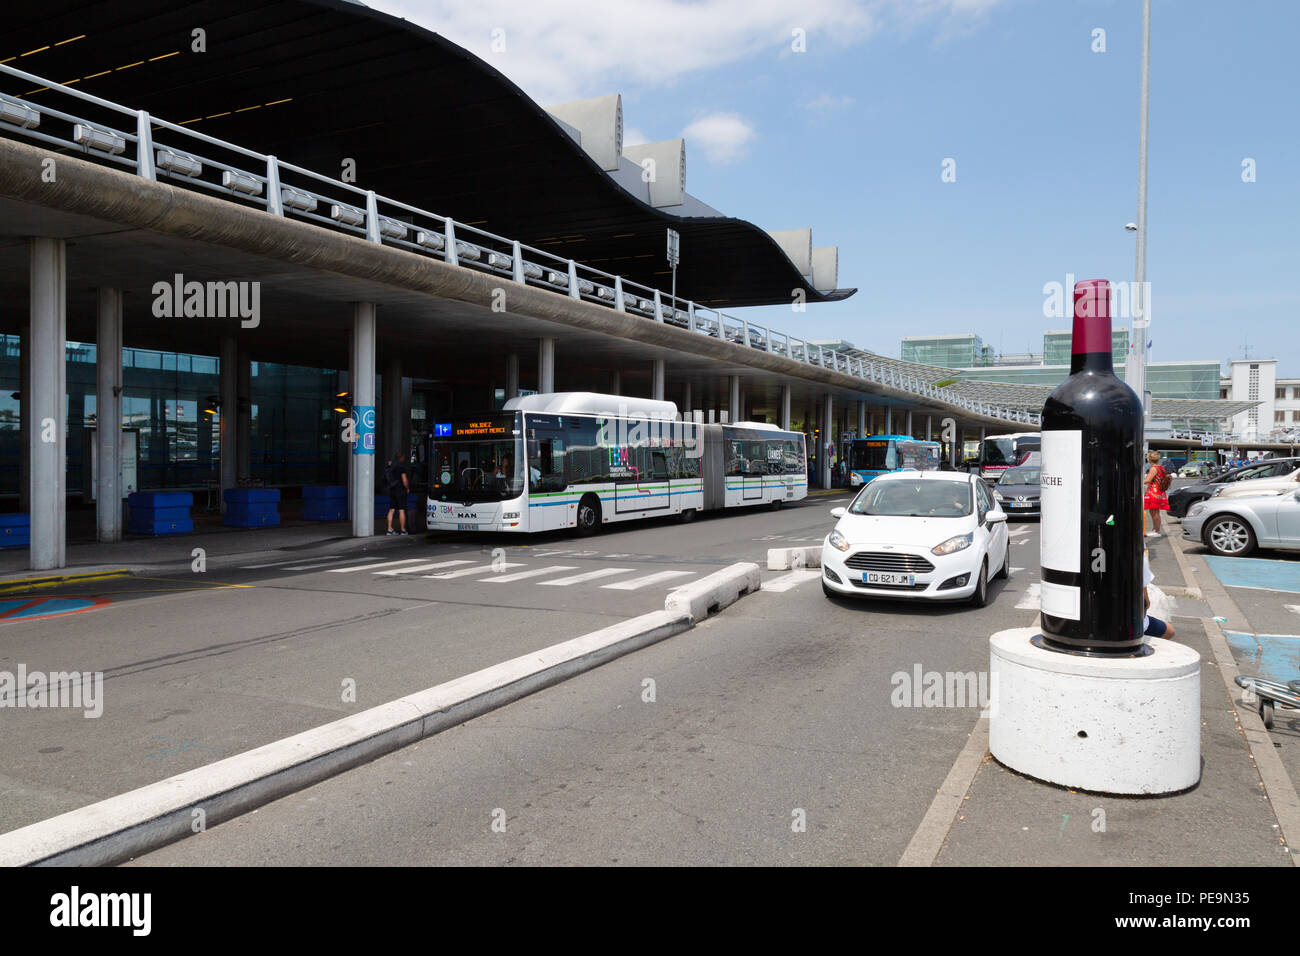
column 855, row 479
column 838, row 541
column 952, row 545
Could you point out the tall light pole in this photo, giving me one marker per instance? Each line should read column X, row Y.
column 1141, row 319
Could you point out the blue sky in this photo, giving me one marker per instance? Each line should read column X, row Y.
column 849, row 138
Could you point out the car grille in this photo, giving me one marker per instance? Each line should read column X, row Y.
column 885, row 561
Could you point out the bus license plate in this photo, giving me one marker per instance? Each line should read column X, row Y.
column 884, row 577
column 466, row 527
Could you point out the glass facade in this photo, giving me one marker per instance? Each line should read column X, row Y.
column 170, row 398
column 1164, row 379
column 947, row 351
column 1057, row 348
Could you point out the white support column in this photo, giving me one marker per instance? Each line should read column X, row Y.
column 910, row 433
column 227, row 436
column 828, row 439
column 862, row 420
column 108, row 415
column 47, row 378
column 889, row 419
column 733, row 382
column 929, row 427
column 785, row 407
column 244, row 419
column 546, row 366
column 512, row 375
column 687, row 402
column 361, row 381
column 657, row 380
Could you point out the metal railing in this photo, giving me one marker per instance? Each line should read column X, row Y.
column 159, row 150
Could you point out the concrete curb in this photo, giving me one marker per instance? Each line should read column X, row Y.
column 48, row 581
column 119, row 828
column 787, row 559
column 721, row 588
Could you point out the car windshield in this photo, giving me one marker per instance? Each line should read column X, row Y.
column 915, row 499
column 1020, row 476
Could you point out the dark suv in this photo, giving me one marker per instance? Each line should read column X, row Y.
column 1180, row 499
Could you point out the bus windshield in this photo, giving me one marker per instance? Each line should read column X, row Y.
column 999, row 451
column 476, row 461
column 874, row 455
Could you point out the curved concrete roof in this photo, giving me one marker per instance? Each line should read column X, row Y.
column 328, row 83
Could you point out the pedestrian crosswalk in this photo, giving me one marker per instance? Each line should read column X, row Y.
column 524, row 572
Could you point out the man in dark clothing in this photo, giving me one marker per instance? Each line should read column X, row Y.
column 399, row 483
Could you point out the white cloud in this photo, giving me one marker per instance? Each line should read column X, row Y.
column 561, row 50
column 722, row 137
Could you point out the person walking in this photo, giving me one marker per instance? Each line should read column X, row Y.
column 1154, row 487
column 399, row 484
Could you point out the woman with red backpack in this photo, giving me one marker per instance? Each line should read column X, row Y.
column 1154, row 492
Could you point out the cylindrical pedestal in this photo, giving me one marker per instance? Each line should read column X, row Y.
column 1129, row 725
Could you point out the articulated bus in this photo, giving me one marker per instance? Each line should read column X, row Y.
column 999, row 452
column 583, row 460
column 881, row 454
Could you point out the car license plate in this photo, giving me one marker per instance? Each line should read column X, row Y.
column 466, row 527
column 1022, row 504
column 885, row 577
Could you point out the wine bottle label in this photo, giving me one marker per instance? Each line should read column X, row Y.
column 1059, row 600
column 1062, row 479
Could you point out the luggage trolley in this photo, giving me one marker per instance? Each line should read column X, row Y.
column 1271, row 692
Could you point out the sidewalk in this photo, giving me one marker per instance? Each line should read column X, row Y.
column 1230, row 818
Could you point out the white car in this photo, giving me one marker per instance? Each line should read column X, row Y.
column 934, row 535
column 1260, row 486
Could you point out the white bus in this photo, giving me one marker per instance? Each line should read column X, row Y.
column 583, row 460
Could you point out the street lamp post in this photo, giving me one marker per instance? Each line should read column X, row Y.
column 1141, row 319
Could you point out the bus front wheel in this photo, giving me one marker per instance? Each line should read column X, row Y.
column 588, row 515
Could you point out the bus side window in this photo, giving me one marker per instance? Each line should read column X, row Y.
column 891, row 457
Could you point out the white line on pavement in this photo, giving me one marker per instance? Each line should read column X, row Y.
column 420, row 567
column 371, row 567
column 273, row 564
column 580, row 578
column 521, row 575
column 322, row 564
column 634, row 584
column 795, row 578
column 1292, row 607
column 481, row 569
column 1031, row 600
column 1019, row 532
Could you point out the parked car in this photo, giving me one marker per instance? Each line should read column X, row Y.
column 933, row 535
column 1195, row 469
column 1018, row 491
column 1235, row 527
column 1181, row 499
column 1261, row 486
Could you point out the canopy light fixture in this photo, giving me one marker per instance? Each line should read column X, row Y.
column 241, row 183
column 347, row 215
column 18, row 114
column 178, row 163
column 292, row 198
column 103, row 140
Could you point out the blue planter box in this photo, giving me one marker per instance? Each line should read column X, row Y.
column 15, row 521
column 172, row 526
column 150, row 515
column 245, row 509
column 382, row 505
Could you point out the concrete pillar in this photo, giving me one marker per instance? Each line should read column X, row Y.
column 108, row 415
column 546, row 365
column 394, row 439
column 615, row 383
column 889, row 419
column 47, row 377
column 910, row 433
column 244, row 417
column 362, row 381
column 785, row 408
column 657, row 380
column 512, row 375
column 733, row 382
column 929, row 427
column 862, row 420
column 24, row 419
column 227, row 438
column 828, row 422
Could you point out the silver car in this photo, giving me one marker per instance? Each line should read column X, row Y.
column 1234, row 527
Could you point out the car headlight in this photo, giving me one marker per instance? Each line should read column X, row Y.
column 1215, row 492
column 1196, row 509
column 838, row 541
column 959, row 543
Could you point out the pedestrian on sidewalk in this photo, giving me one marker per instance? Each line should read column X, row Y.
column 1154, row 488
column 398, row 479
column 1152, row 626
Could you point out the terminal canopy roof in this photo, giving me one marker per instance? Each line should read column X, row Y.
column 321, row 82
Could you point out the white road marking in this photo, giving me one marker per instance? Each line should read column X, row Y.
column 420, row 567
column 372, row 566
column 521, row 575
column 793, row 579
column 1019, row 532
column 273, row 564
column 1031, row 601
column 1295, row 608
column 322, row 564
column 581, row 578
column 634, row 584
column 480, row 569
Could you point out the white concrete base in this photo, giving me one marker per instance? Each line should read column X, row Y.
column 1127, row 725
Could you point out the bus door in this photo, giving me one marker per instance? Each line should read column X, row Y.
column 645, row 485
column 753, row 469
